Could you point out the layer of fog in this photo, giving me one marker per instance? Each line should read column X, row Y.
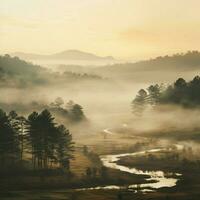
column 166, row 118
column 107, row 103
column 110, row 108
column 53, row 64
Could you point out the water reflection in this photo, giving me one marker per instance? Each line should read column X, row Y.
column 157, row 178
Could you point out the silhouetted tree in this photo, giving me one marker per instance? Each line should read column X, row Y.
column 22, row 132
column 64, row 147
column 47, row 131
column 154, row 94
column 76, row 112
column 9, row 143
column 34, row 138
column 42, row 133
column 138, row 104
column 181, row 92
column 38, row 135
column 19, row 125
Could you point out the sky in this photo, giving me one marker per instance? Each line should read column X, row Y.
column 125, row 29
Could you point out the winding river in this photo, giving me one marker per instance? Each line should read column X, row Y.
column 157, row 179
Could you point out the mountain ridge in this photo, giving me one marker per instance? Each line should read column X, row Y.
column 71, row 54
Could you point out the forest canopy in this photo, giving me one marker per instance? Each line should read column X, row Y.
column 181, row 92
column 15, row 72
column 65, row 112
column 37, row 135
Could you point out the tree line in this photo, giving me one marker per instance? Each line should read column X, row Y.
column 17, row 73
column 37, row 138
column 72, row 111
column 67, row 112
column 181, row 92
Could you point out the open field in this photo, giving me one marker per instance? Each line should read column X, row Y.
column 63, row 186
column 76, row 179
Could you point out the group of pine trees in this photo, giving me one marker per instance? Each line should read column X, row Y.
column 36, row 138
column 151, row 96
column 72, row 111
column 65, row 112
column 181, row 92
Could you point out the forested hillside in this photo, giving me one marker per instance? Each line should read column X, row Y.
column 15, row 72
column 181, row 92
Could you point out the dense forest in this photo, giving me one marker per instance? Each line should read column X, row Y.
column 183, row 61
column 179, row 93
column 66, row 112
column 18, row 73
column 36, row 137
column 15, row 72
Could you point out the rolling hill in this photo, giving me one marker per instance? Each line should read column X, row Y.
column 64, row 55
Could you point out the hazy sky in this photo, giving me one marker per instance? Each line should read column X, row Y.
column 132, row 29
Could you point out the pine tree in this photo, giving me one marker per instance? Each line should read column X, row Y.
column 19, row 125
column 34, row 139
column 64, row 147
column 139, row 103
column 9, row 143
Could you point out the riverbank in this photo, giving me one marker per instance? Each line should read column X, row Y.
column 170, row 163
column 114, row 177
column 65, row 187
column 165, row 160
column 78, row 177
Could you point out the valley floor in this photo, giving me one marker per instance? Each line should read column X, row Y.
column 62, row 188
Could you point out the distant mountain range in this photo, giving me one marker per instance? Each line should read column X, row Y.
column 15, row 72
column 64, row 55
column 160, row 69
column 182, row 62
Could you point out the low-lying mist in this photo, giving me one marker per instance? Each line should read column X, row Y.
column 166, row 117
column 105, row 94
column 108, row 108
